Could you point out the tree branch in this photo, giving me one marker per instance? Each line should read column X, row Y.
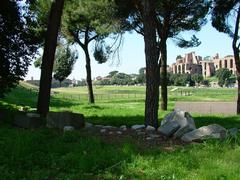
column 92, row 38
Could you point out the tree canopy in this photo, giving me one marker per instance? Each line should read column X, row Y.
column 65, row 59
column 223, row 76
column 90, row 21
column 226, row 18
column 17, row 45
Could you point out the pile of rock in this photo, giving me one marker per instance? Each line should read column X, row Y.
column 177, row 125
column 180, row 124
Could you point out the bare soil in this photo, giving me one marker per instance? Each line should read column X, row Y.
column 225, row 108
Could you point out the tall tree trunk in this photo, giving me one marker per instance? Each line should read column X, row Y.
column 89, row 76
column 235, row 47
column 163, row 75
column 152, row 70
column 48, row 57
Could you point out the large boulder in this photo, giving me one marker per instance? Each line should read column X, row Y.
column 213, row 131
column 169, row 128
column 28, row 121
column 177, row 123
column 60, row 119
column 233, row 132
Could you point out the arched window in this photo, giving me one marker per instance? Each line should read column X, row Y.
column 220, row 64
column 179, row 69
column 183, row 68
column 231, row 63
column 225, row 63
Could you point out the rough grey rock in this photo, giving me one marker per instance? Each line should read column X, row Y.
column 60, row 119
column 103, row 130
column 150, row 128
column 68, row 128
column 88, row 125
column 233, row 132
column 181, row 131
column 33, row 115
column 183, row 119
column 154, row 135
column 109, row 127
column 123, row 127
column 29, row 121
column 137, row 126
column 141, row 133
column 119, row 132
column 98, row 126
column 110, row 132
column 169, row 128
column 213, row 131
column 149, row 138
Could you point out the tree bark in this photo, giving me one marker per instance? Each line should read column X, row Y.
column 89, row 77
column 235, row 47
column 152, row 70
column 48, row 57
column 163, row 75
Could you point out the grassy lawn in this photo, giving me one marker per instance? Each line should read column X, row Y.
column 51, row 154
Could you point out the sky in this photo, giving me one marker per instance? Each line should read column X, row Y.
column 132, row 56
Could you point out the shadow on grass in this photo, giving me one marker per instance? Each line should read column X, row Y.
column 93, row 107
column 139, row 100
column 21, row 96
column 116, row 120
column 225, row 121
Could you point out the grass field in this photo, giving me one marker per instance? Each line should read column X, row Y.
column 51, row 154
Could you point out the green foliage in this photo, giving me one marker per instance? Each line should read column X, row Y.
column 121, row 79
column 17, row 45
column 64, row 61
column 222, row 12
column 38, row 62
column 198, row 78
column 112, row 73
column 39, row 11
column 178, row 57
column 141, row 78
column 180, row 79
column 205, row 82
column 89, row 20
column 118, row 78
column 194, row 42
column 101, row 52
column 223, row 76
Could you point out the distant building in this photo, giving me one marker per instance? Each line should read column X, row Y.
column 193, row 64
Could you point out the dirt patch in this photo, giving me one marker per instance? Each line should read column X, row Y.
column 226, row 108
column 142, row 138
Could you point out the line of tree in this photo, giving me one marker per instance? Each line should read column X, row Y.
column 118, row 78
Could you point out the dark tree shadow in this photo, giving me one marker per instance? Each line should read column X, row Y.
column 225, row 121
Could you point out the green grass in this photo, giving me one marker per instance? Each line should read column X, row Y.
column 51, row 154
